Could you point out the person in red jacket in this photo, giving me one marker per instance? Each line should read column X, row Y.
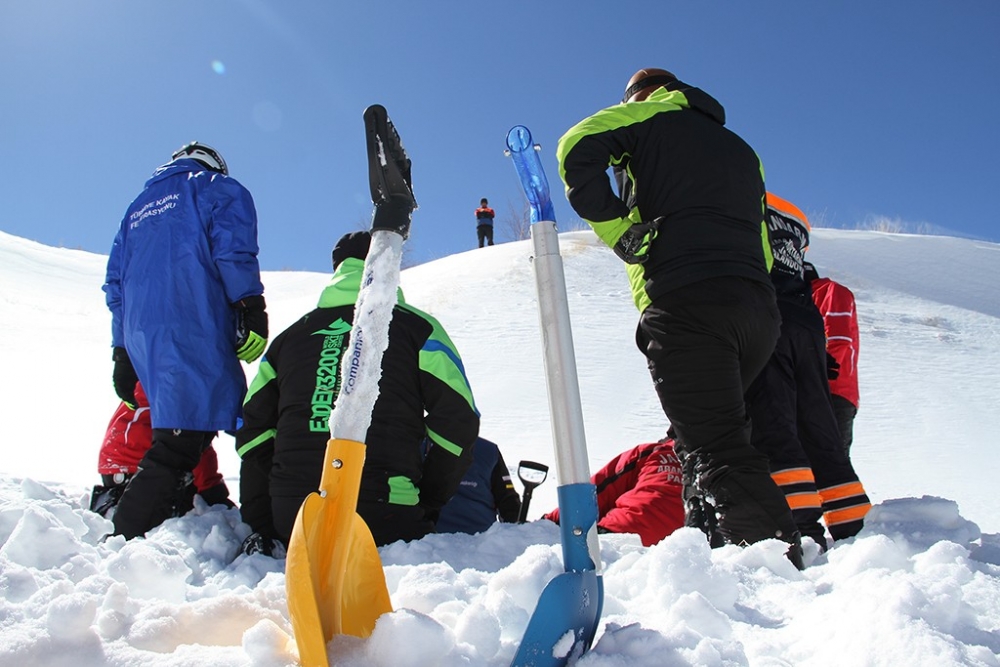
column 840, row 319
column 639, row 491
column 129, row 436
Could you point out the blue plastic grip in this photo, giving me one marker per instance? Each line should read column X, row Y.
column 529, row 170
column 578, row 515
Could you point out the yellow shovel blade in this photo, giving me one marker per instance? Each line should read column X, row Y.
column 333, row 574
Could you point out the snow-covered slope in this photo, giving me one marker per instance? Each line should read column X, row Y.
column 919, row 586
column 930, row 344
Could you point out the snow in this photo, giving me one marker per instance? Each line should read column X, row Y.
column 919, row 586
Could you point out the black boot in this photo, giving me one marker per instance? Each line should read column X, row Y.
column 699, row 512
column 794, row 553
column 158, row 490
column 152, row 496
column 752, row 508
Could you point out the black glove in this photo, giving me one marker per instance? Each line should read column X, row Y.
column 394, row 214
column 432, row 515
column 388, row 174
column 251, row 332
column 103, row 499
column 633, row 246
column 832, row 367
column 123, row 376
column 255, row 543
column 217, row 495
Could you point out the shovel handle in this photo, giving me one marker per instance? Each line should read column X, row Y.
column 523, row 514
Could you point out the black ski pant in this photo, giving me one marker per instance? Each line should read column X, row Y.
column 390, row 522
column 705, row 343
column 386, row 521
column 285, row 509
column 794, row 425
column 158, row 488
column 485, row 234
column 271, row 508
column 105, row 497
column 845, row 412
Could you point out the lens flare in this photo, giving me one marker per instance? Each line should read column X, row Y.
column 218, row 67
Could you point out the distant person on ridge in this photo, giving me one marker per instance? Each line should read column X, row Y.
column 484, row 222
column 789, row 402
column 485, row 495
column 187, row 306
column 688, row 222
column 840, row 319
column 423, row 393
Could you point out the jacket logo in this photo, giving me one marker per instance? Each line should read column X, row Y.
column 668, row 465
column 338, row 328
column 327, row 375
column 157, row 207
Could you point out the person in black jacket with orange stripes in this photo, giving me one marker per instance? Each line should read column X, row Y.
column 688, row 220
column 423, row 393
column 793, row 418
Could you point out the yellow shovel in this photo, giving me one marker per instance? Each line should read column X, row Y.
column 333, row 574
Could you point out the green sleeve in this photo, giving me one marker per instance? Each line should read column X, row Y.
column 451, row 420
column 260, row 410
column 586, row 152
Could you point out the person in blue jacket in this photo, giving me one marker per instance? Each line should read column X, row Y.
column 485, row 494
column 183, row 286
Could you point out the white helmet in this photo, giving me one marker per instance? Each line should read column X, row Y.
column 207, row 155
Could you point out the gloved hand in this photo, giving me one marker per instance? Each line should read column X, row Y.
column 432, row 515
column 633, row 246
column 251, row 332
column 388, row 174
column 124, row 377
column 217, row 495
column 394, row 214
column 103, row 499
column 832, row 367
column 255, row 543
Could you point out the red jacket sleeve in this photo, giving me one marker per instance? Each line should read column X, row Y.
column 206, row 473
column 617, row 476
column 639, row 491
column 652, row 507
column 129, row 436
column 840, row 318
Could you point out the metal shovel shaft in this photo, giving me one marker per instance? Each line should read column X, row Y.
column 565, row 409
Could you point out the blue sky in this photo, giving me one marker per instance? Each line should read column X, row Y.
column 859, row 110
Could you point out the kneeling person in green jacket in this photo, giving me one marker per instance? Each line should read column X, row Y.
column 423, row 392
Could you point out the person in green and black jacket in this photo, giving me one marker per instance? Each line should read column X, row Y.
column 688, row 220
column 423, row 392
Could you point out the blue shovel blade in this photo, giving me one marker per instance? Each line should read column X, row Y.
column 570, row 603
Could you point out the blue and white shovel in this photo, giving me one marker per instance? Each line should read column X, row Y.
column 565, row 620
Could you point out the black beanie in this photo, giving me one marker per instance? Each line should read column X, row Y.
column 355, row 245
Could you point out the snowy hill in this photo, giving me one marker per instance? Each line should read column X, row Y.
column 928, row 311
column 930, row 386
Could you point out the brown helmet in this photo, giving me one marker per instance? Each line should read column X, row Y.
column 644, row 82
